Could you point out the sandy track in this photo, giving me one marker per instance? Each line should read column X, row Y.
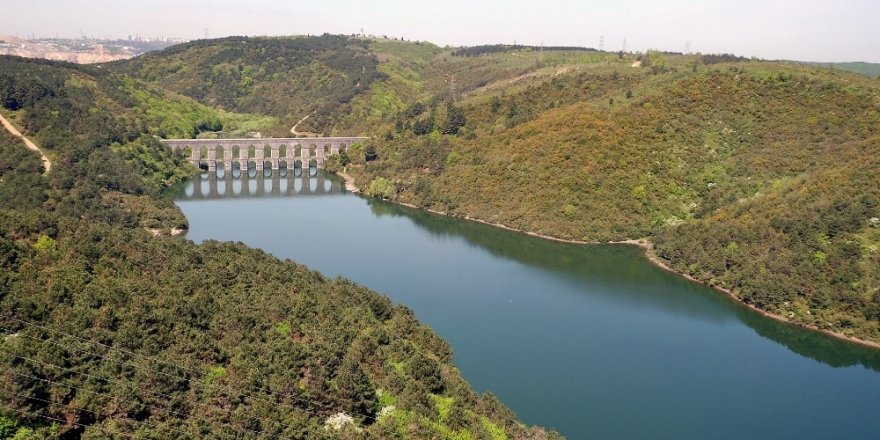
column 32, row 146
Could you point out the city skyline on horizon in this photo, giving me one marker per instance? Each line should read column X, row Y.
column 780, row 29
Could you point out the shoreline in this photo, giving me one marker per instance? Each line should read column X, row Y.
column 648, row 248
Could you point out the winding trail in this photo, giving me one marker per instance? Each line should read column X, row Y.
column 298, row 133
column 31, row 146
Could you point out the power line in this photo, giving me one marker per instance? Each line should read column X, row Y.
column 183, row 368
column 104, row 379
column 33, row 414
column 106, row 394
column 168, row 363
column 49, row 402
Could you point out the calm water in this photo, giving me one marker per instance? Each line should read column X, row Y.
column 593, row 341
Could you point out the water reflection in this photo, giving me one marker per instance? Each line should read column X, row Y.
column 624, row 278
column 253, row 184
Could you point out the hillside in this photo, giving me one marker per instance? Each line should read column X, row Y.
column 867, row 69
column 109, row 332
column 722, row 162
column 755, row 177
column 288, row 78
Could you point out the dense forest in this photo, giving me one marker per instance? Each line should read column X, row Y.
column 753, row 176
column 108, row 331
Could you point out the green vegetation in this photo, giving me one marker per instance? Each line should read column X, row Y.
column 731, row 167
column 757, row 177
column 287, row 78
column 107, row 331
column 867, row 69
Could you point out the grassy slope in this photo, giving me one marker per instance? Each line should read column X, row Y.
column 236, row 341
column 751, row 176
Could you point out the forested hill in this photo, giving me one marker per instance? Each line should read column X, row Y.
column 756, row 177
column 107, row 331
column 284, row 77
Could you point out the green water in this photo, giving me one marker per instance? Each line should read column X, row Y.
column 593, row 341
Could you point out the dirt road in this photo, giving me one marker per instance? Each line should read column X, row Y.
column 46, row 163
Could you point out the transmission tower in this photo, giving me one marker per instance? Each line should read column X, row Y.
column 451, row 81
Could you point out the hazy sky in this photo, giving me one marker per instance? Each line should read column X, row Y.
column 809, row 30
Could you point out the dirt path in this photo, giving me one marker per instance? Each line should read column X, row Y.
column 32, row 146
column 297, row 133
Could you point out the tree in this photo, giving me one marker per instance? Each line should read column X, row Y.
column 455, row 119
column 424, row 126
column 344, row 159
column 370, row 154
column 355, row 389
column 495, row 104
column 426, row 371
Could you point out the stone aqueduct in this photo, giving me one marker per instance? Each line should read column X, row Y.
column 261, row 151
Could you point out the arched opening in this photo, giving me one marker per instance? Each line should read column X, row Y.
column 219, row 153
column 267, row 168
column 220, row 170
column 297, row 151
column 327, row 150
column 267, row 152
column 313, row 167
column 236, row 169
column 252, row 152
column 252, row 168
column 236, row 152
column 282, row 151
column 282, row 167
column 203, row 152
column 342, row 147
column 313, row 150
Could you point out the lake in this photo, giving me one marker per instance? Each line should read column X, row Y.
column 591, row 340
